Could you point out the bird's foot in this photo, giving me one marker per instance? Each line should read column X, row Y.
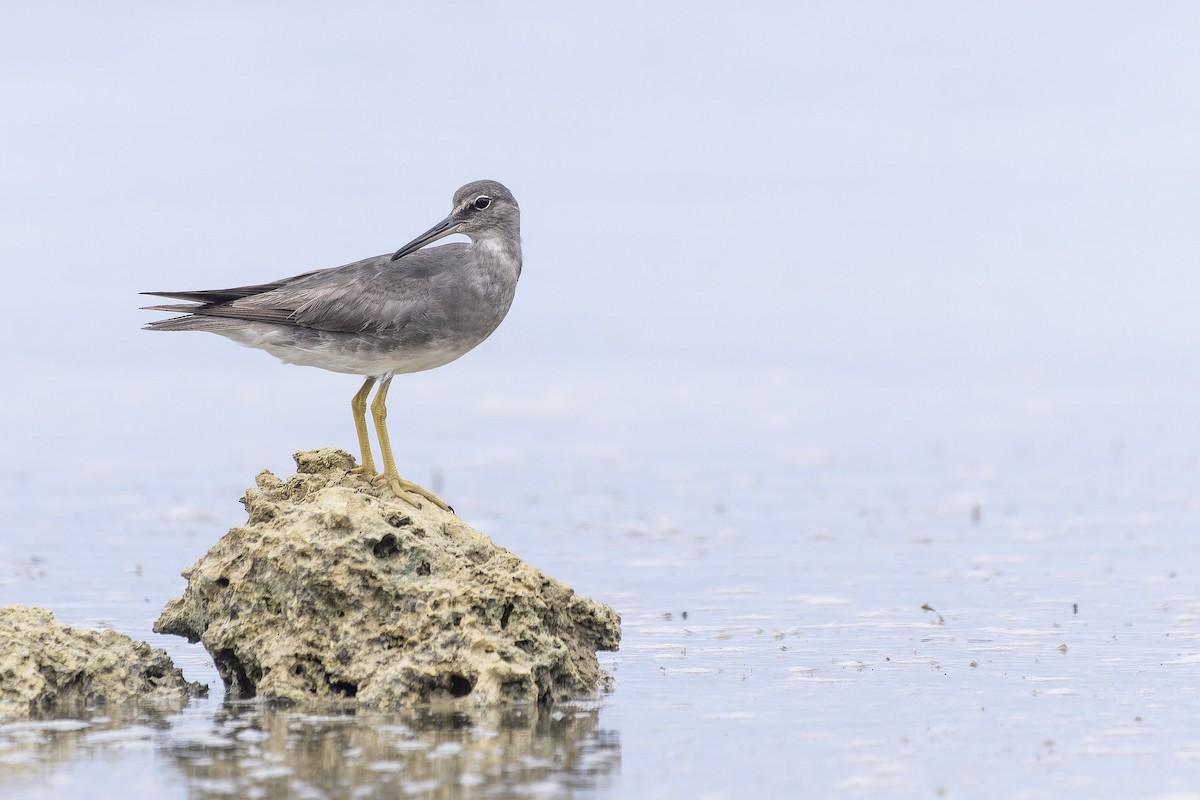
column 411, row 493
column 367, row 472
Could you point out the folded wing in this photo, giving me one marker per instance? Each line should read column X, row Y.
column 369, row 296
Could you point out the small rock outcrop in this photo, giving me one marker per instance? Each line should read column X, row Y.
column 337, row 591
column 46, row 666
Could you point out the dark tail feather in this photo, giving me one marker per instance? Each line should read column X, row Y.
column 189, row 323
column 227, row 295
column 175, row 307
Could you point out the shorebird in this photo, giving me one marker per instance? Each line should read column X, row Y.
column 413, row 310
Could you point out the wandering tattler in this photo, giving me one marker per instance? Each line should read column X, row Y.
column 413, row 310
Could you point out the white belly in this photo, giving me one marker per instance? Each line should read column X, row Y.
column 347, row 353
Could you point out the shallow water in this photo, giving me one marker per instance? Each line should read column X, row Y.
column 999, row 594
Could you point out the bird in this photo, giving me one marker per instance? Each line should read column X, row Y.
column 415, row 309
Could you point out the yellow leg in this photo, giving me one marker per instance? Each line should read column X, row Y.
column 401, row 487
column 359, row 406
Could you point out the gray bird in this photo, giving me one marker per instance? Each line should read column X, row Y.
column 413, row 310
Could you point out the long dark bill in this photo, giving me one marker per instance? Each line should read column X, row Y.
column 443, row 228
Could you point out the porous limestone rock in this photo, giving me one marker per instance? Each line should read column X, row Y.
column 336, row 591
column 46, row 666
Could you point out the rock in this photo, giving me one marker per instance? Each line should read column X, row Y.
column 47, row 666
column 336, row 591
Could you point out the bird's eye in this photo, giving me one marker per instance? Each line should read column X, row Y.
column 482, row 202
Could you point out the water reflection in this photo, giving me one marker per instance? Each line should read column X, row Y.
column 248, row 750
column 30, row 750
column 251, row 751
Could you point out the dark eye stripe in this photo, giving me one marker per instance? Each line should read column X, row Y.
column 482, row 202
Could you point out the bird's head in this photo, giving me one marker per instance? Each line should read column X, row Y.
column 481, row 210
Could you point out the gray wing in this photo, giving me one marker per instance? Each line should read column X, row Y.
column 214, row 296
column 372, row 295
